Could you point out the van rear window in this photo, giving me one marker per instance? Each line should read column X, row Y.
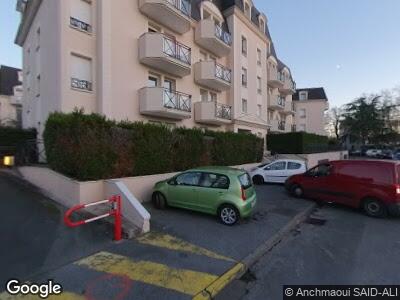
column 245, row 180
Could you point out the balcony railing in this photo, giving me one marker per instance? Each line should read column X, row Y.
column 81, row 84
column 80, row 25
column 281, row 125
column 223, row 35
column 281, row 101
column 223, row 73
column 294, row 128
column 223, row 111
column 182, row 5
column 177, row 50
column 177, row 100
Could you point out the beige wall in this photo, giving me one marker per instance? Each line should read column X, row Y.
column 8, row 111
column 314, row 120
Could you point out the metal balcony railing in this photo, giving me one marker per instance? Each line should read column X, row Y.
column 81, row 84
column 80, row 25
column 223, row 73
column 281, row 125
column 223, row 35
column 182, row 5
column 177, row 50
column 223, row 111
column 177, row 100
column 294, row 128
column 281, row 101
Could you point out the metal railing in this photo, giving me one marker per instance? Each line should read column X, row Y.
column 81, row 84
column 177, row 100
column 294, row 129
column 223, row 73
column 182, row 5
column 80, row 24
column 223, row 35
column 281, row 101
column 281, row 125
column 177, row 50
column 223, row 111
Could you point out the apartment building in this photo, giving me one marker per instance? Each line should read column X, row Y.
column 179, row 62
column 10, row 96
column 310, row 105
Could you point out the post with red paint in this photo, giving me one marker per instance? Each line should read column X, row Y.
column 117, row 219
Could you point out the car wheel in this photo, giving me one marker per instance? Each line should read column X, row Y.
column 159, row 201
column 297, row 191
column 228, row 215
column 374, row 208
column 258, row 179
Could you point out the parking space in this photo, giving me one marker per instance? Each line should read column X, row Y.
column 275, row 208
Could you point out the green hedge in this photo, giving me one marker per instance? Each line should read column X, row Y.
column 90, row 147
column 299, row 143
column 12, row 139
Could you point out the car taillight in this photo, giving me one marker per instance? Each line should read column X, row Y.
column 397, row 187
column 243, row 194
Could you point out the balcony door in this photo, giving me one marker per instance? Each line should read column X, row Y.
column 170, row 98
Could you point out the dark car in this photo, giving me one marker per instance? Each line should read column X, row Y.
column 372, row 185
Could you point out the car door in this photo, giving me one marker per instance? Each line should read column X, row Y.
column 212, row 189
column 275, row 172
column 318, row 183
column 294, row 167
column 182, row 192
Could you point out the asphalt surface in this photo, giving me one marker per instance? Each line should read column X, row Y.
column 33, row 237
column 349, row 248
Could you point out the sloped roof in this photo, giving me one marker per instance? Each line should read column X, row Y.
column 313, row 94
column 8, row 80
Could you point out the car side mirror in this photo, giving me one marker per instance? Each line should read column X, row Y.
column 172, row 181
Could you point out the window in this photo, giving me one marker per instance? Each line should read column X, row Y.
column 216, row 181
column 81, row 72
column 204, row 95
column 245, row 181
column 213, row 97
column 303, row 95
column 259, row 89
column 293, row 166
column 244, row 46
column 153, row 81
column 259, row 57
column 153, row 28
column 203, row 56
column 81, row 15
column 247, row 10
column 169, row 84
column 38, row 39
column 244, row 105
column 38, row 86
column 302, row 113
column 244, row 77
column 278, row 166
column 259, row 110
column 262, row 25
column 320, row 171
column 302, row 127
column 191, row 179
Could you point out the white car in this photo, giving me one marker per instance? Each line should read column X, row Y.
column 277, row 171
column 373, row 152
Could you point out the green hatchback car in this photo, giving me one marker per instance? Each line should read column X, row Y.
column 222, row 191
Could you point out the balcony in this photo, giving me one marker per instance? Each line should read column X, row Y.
column 165, row 54
column 277, row 103
column 293, row 128
column 212, row 75
column 290, row 108
column 174, row 14
column 160, row 102
column 288, row 88
column 278, row 126
column 212, row 37
column 275, row 79
column 80, row 84
column 212, row 113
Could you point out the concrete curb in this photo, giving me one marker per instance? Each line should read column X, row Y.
column 241, row 267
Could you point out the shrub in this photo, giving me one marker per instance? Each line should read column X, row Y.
column 89, row 147
column 13, row 140
column 299, row 143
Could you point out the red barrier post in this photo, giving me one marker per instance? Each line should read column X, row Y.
column 118, row 219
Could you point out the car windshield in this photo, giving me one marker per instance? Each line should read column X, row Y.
column 245, row 180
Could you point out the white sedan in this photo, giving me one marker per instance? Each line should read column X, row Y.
column 277, row 171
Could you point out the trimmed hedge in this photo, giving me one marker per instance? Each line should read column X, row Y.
column 299, row 143
column 11, row 139
column 90, row 147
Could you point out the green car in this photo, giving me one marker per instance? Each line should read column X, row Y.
column 222, row 191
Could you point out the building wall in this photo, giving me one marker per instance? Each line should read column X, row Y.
column 314, row 120
column 8, row 111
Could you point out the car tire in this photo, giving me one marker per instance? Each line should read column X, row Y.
column 374, row 208
column 159, row 201
column 297, row 191
column 258, row 179
column 228, row 215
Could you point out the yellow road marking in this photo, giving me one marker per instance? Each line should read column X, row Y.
column 215, row 287
column 63, row 296
column 173, row 243
column 184, row 281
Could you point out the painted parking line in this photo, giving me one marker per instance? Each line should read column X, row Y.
column 172, row 243
column 63, row 296
column 184, row 281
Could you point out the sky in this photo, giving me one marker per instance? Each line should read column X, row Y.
column 349, row 47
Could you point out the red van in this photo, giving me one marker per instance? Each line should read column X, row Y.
column 371, row 185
